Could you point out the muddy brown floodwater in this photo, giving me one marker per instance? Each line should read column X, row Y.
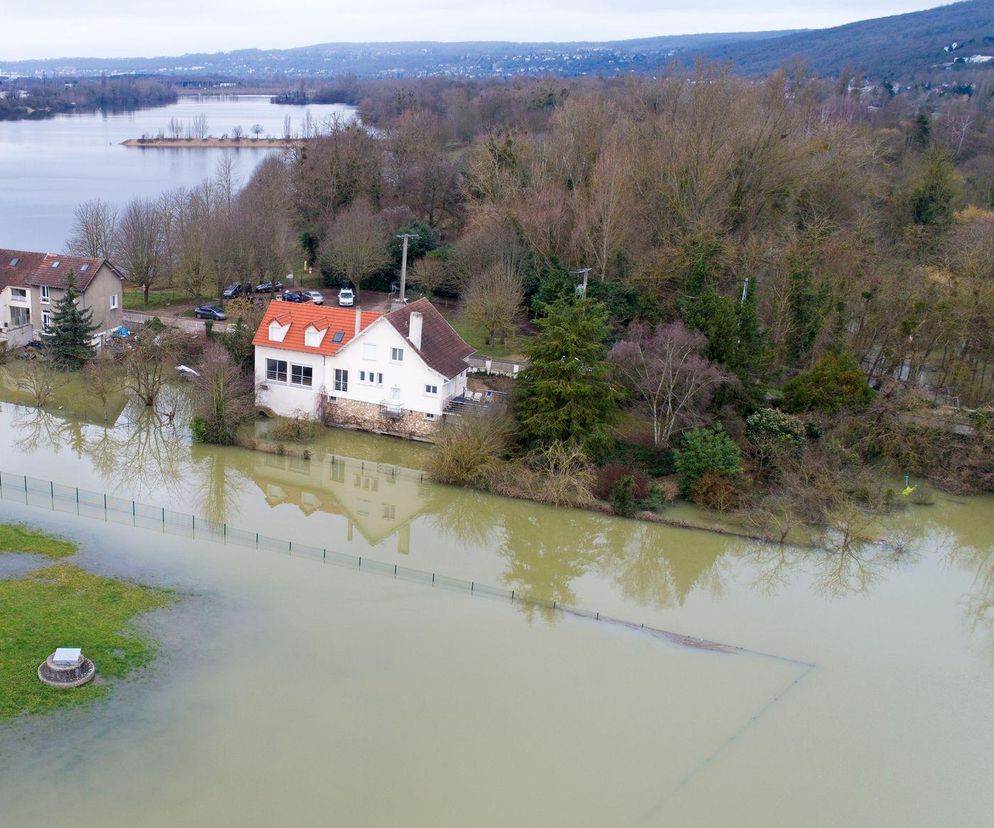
column 291, row 691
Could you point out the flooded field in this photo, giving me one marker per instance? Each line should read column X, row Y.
column 289, row 690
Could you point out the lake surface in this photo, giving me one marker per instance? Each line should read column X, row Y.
column 292, row 691
column 49, row 166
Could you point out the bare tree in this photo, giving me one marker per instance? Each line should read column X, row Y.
column 430, row 274
column 40, row 381
column 141, row 243
column 198, row 127
column 102, row 378
column 358, row 243
column 493, row 301
column 93, row 231
column 145, row 365
column 665, row 369
column 223, row 398
column 257, row 130
column 175, row 128
column 237, row 132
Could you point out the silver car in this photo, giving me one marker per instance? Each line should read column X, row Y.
column 316, row 296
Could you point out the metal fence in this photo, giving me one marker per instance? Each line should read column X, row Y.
column 58, row 497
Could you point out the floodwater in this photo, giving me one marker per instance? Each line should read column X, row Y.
column 292, row 691
column 48, row 167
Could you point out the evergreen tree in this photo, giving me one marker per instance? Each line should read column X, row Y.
column 566, row 394
column 71, row 334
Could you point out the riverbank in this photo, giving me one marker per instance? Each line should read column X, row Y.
column 213, row 143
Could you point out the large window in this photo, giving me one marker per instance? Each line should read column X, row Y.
column 18, row 293
column 276, row 370
column 301, row 375
column 46, row 294
column 341, row 380
column 46, row 320
column 397, row 354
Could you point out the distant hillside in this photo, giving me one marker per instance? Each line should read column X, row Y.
column 885, row 48
column 470, row 60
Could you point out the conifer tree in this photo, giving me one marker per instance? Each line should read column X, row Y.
column 70, row 336
column 566, row 394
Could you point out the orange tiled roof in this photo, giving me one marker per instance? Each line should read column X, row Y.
column 301, row 316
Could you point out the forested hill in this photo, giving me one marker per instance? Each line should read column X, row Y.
column 898, row 47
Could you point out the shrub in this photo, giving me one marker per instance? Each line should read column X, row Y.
column 623, row 500
column 198, row 425
column 716, row 491
column 706, row 450
column 771, row 425
column 606, row 480
column 468, row 450
column 654, row 462
column 292, row 430
column 835, row 383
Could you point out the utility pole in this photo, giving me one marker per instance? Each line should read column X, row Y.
column 403, row 264
column 585, row 273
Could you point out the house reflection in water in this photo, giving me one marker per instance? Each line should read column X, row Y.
column 377, row 500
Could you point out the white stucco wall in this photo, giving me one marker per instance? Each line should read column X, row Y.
column 403, row 382
column 287, row 399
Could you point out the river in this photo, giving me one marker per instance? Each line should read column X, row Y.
column 49, row 166
column 293, row 691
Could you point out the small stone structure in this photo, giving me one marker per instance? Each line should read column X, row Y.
column 66, row 667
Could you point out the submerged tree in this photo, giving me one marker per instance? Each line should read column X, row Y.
column 70, row 336
column 223, row 398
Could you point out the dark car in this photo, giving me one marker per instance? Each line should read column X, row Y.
column 296, row 296
column 269, row 287
column 210, row 312
column 231, row 291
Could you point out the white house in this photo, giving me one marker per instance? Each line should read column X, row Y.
column 393, row 372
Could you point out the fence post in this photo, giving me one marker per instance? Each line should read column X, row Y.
column 472, row 586
column 360, row 562
column 105, row 506
column 395, row 570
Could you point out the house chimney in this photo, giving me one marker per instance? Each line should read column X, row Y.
column 358, row 320
column 415, row 326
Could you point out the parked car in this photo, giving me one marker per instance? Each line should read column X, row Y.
column 269, row 287
column 296, row 296
column 233, row 290
column 210, row 312
column 346, row 297
column 316, row 296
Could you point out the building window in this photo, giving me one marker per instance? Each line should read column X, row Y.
column 18, row 293
column 113, row 301
column 46, row 296
column 389, row 511
column 46, row 320
column 371, row 377
column 369, row 350
column 276, row 370
column 341, row 380
column 301, row 375
column 332, row 399
column 431, row 389
column 429, row 416
column 397, row 354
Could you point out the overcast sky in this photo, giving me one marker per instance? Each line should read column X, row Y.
column 117, row 28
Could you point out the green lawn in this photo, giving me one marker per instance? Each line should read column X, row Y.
column 65, row 606
column 476, row 336
column 15, row 537
column 165, row 298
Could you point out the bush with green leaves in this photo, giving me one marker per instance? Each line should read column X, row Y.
column 623, row 500
column 769, row 425
column 706, row 450
column 835, row 383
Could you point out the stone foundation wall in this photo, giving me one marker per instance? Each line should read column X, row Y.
column 367, row 417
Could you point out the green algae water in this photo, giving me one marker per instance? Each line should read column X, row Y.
column 290, row 691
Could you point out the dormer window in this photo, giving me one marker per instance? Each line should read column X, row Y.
column 313, row 337
column 278, row 332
